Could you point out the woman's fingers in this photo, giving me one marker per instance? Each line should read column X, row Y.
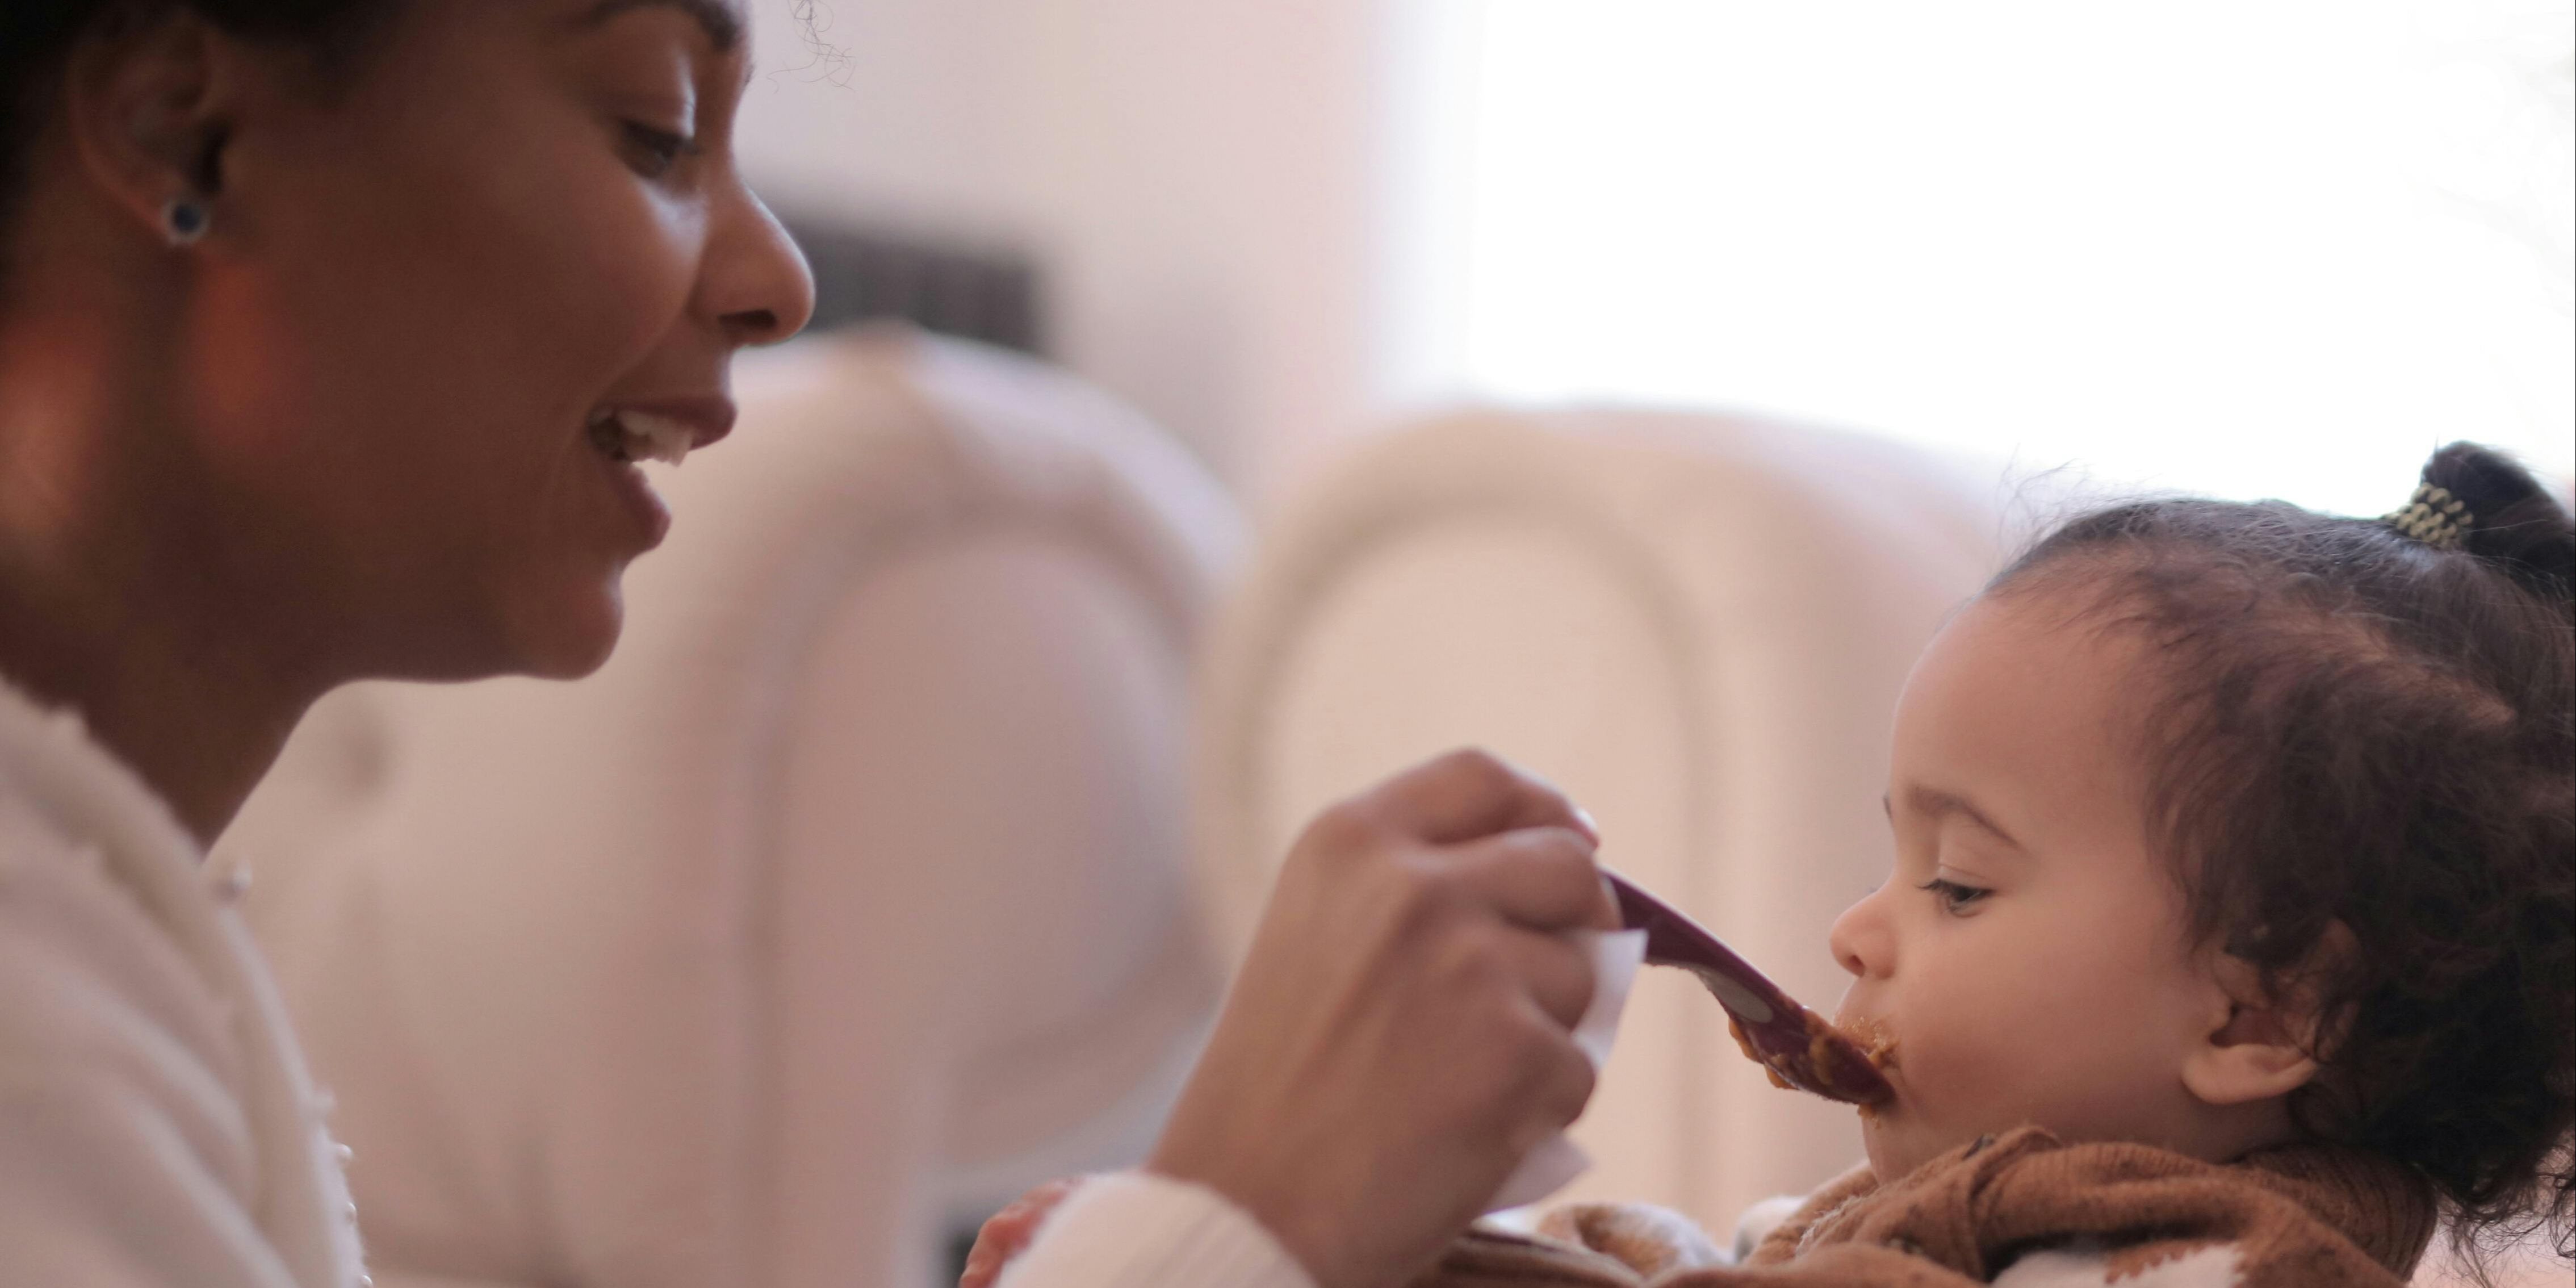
column 1560, row 1079
column 1008, row 1233
column 1544, row 878
column 1398, row 1038
column 1469, row 794
column 1542, row 882
column 1554, row 974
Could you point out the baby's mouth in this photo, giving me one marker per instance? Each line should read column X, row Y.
column 1877, row 1042
column 1874, row 1038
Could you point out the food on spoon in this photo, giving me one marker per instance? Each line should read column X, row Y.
column 1824, row 1049
column 1799, row 1048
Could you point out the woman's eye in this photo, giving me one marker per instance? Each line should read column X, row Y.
column 660, row 150
column 1952, row 895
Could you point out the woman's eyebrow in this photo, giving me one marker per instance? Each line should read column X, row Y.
column 723, row 26
column 1936, row 804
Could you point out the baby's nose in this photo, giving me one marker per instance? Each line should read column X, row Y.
column 1860, row 941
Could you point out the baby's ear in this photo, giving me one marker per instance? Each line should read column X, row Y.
column 2261, row 1042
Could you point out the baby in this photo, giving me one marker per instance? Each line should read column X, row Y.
column 2231, row 937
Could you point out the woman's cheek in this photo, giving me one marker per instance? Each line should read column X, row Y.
column 647, row 231
column 652, row 268
column 600, row 259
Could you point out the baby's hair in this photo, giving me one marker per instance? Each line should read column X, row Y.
column 2363, row 760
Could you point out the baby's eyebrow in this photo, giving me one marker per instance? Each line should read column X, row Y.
column 1936, row 804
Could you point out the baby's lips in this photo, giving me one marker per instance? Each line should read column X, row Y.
column 1876, row 1042
column 1872, row 1034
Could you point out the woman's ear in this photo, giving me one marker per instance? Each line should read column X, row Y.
column 145, row 104
column 2261, row 1041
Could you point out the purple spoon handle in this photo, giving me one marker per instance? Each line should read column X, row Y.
column 1797, row 1045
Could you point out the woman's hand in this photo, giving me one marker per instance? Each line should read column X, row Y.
column 1399, row 1036
column 1006, row 1234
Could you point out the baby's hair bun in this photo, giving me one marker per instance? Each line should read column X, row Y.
column 2517, row 524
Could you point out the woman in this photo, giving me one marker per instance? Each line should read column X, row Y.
column 329, row 330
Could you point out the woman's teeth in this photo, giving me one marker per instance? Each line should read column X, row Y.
column 640, row 436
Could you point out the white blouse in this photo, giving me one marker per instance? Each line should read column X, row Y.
column 1137, row 1230
column 158, row 1128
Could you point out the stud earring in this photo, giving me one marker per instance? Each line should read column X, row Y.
column 184, row 221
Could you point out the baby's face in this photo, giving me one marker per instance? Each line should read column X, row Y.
column 2028, row 951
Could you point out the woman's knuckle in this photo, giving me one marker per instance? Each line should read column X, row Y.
column 1346, row 832
column 1562, row 852
column 1479, row 770
column 1553, row 1073
column 1570, row 1089
column 1574, row 988
column 1419, row 888
column 1469, row 962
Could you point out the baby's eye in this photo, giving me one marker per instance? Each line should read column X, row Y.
column 1953, row 896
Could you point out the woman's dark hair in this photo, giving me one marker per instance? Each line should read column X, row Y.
column 37, row 35
column 2364, row 765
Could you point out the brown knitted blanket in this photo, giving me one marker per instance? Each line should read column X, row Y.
column 2295, row 1217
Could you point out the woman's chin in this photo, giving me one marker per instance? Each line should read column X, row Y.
column 566, row 635
column 570, row 664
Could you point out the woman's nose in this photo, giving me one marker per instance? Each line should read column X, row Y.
column 755, row 281
column 1860, row 939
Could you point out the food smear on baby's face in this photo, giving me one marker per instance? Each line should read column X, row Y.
column 1827, row 1067
column 1874, row 1041
column 1878, row 1046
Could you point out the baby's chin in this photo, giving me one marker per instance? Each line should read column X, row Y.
column 1887, row 1159
column 1897, row 1141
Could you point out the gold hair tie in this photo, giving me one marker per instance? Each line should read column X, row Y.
column 2434, row 517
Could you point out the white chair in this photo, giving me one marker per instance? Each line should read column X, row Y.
column 1697, row 625
column 844, row 903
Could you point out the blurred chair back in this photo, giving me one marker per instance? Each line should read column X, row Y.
column 845, row 902
column 1698, row 625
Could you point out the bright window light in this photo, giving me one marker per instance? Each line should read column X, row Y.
column 2252, row 247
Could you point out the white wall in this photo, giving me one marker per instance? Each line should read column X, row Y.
column 2274, row 249
column 1195, row 177
column 1257, row 224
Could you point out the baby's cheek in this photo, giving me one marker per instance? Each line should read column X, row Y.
column 1970, row 1060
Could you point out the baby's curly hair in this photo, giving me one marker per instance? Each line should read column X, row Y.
column 2364, row 763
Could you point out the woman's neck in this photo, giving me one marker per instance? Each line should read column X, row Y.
column 114, row 595
column 195, row 725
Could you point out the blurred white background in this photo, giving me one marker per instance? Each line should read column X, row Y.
column 1195, row 180
column 2280, row 248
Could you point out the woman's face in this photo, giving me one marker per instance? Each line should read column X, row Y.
column 424, row 288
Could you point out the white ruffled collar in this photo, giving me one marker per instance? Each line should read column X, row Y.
column 48, row 755
column 104, row 812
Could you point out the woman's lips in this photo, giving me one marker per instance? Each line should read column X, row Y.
column 623, row 431
column 651, row 516
column 676, row 425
